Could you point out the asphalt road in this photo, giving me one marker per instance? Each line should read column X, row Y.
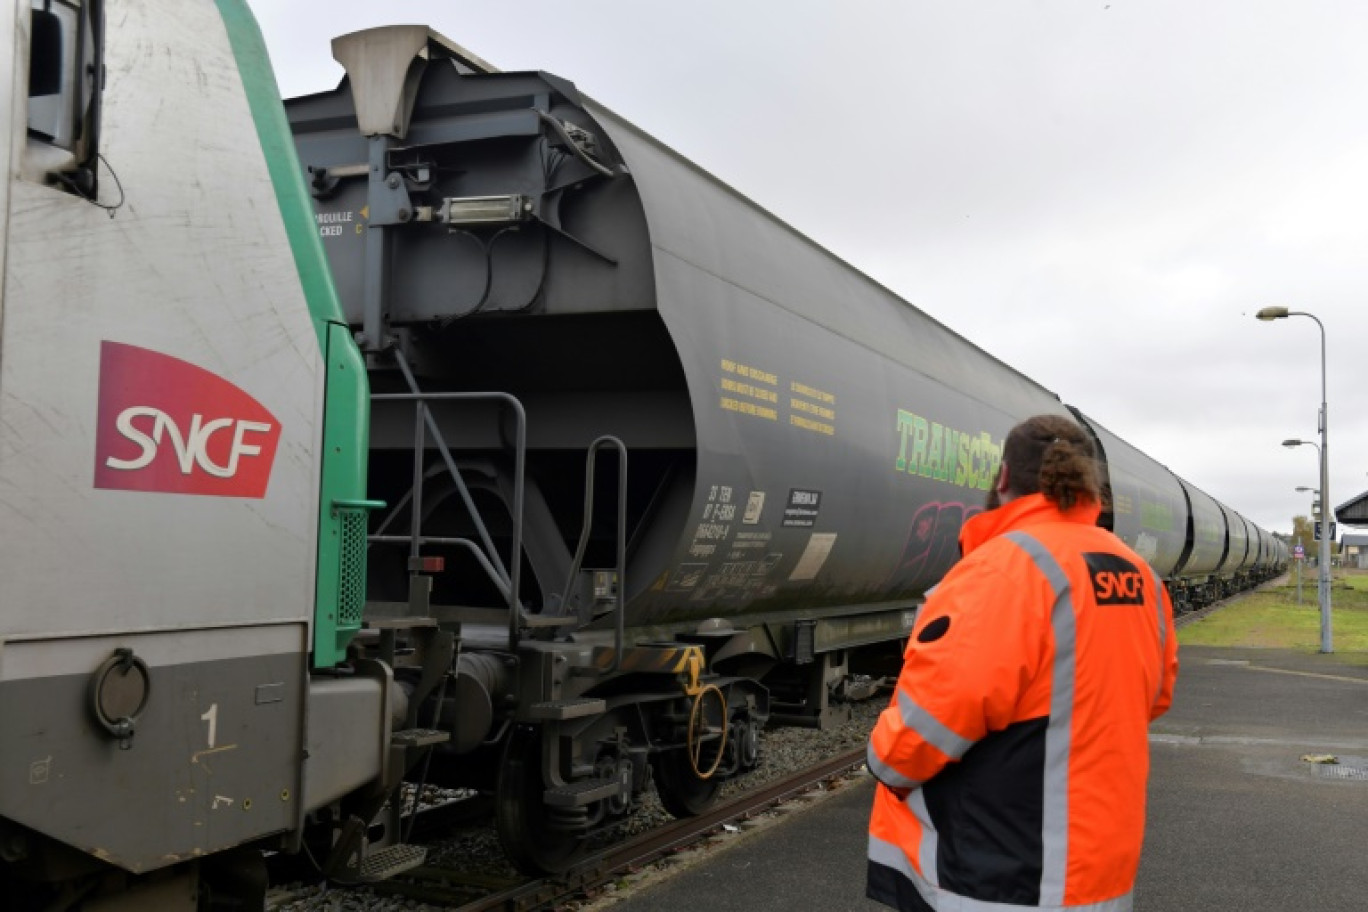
column 1237, row 819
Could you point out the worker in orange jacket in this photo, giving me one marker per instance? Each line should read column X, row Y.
column 1013, row 757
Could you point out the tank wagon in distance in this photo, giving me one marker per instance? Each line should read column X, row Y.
column 1204, row 550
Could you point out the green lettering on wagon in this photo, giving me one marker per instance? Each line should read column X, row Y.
column 933, row 450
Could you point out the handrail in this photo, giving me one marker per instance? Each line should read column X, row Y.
column 466, row 543
column 507, row 580
column 619, row 631
column 440, row 441
column 344, row 504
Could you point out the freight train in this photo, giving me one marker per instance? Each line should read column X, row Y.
column 442, row 428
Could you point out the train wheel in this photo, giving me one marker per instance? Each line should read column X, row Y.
column 530, row 837
column 681, row 792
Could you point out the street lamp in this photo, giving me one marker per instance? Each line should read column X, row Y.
column 1323, row 548
column 1311, row 443
column 1281, row 313
column 1302, row 489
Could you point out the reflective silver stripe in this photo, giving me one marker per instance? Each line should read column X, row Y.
column 885, row 773
column 930, row 841
column 930, row 729
column 1059, row 733
column 892, row 857
column 1163, row 630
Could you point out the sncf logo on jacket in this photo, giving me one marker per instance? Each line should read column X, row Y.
column 169, row 426
column 1115, row 580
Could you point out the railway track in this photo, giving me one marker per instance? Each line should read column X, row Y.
column 468, row 892
column 1188, row 617
column 478, row 891
column 1182, row 620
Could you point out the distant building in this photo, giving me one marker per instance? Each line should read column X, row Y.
column 1354, row 512
column 1354, row 550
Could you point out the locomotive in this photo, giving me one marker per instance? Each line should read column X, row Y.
column 441, row 428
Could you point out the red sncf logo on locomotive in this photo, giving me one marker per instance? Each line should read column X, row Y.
column 1115, row 580
column 166, row 425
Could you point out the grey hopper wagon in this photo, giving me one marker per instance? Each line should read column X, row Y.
column 657, row 464
column 789, row 421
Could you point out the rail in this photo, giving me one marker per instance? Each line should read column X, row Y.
column 434, row 885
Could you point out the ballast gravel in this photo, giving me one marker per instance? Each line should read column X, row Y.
column 475, row 850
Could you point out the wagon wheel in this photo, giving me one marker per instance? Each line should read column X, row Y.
column 684, row 776
column 527, row 833
column 681, row 792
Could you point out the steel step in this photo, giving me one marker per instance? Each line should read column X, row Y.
column 383, row 864
column 537, row 621
column 558, row 710
column 407, row 622
column 419, row 737
column 582, row 793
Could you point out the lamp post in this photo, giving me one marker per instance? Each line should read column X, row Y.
column 1303, row 489
column 1322, row 529
column 1281, row 313
column 1319, row 535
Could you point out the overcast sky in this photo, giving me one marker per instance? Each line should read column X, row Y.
column 1099, row 193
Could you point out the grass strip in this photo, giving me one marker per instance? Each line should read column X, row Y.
column 1271, row 618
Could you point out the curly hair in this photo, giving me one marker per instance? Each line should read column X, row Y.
column 1053, row 456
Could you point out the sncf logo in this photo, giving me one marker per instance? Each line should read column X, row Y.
column 166, row 425
column 1115, row 580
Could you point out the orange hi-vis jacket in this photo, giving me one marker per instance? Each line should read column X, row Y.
column 1014, row 754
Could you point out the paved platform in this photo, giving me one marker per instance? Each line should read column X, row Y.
column 1237, row 819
